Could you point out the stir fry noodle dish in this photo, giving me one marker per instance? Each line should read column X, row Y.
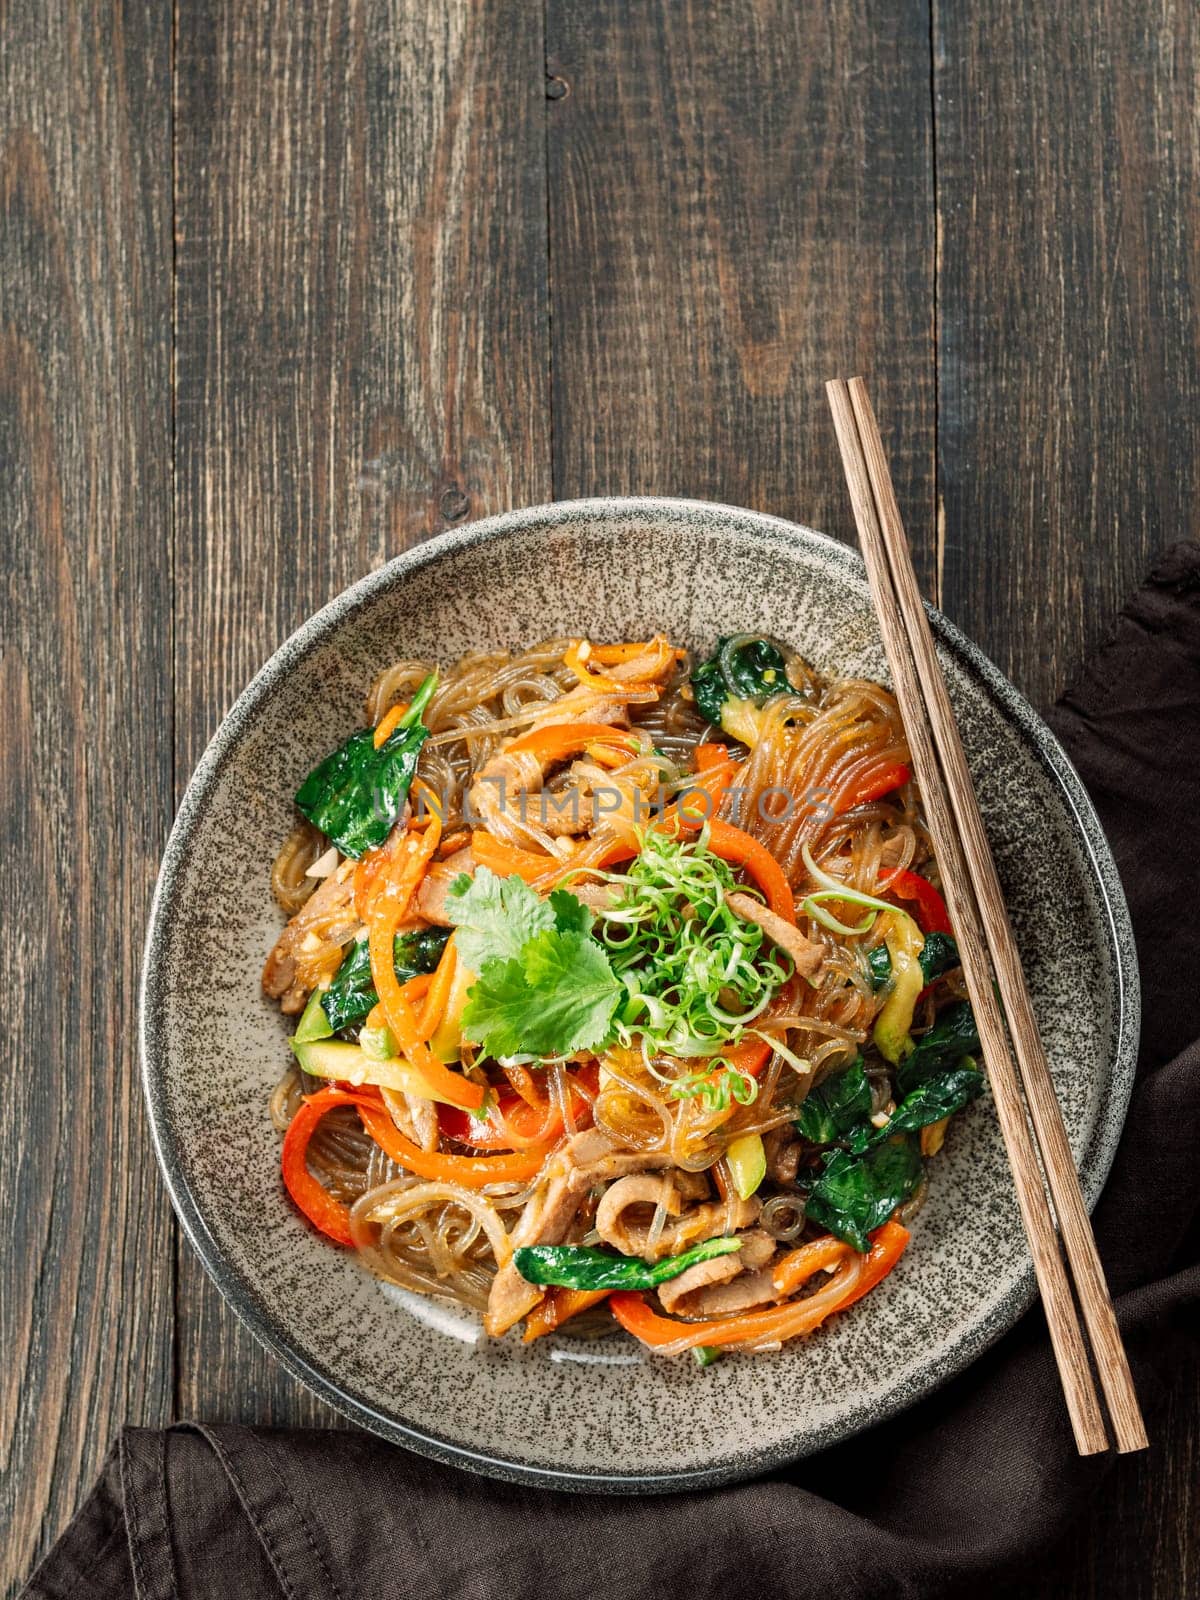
column 621, row 991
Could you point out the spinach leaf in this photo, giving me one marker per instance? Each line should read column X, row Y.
column 952, row 1036
column 879, row 966
column 351, row 995
column 834, row 1106
column 938, row 954
column 577, row 1266
column 744, row 667
column 710, row 690
column 356, row 794
column 858, row 1193
column 936, row 1098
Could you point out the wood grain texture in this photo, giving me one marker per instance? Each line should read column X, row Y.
column 386, row 212
column 362, row 361
column 740, row 208
column 85, row 1296
column 1068, row 164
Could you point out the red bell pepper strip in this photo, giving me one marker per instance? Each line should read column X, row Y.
column 931, row 908
column 321, row 1208
column 872, row 785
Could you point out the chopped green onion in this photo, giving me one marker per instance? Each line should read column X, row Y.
column 695, row 974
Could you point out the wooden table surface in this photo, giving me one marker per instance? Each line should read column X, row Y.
column 287, row 287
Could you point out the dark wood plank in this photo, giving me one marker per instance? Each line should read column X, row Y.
column 740, row 208
column 85, row 716
column 1067, row 176
column 362, row 360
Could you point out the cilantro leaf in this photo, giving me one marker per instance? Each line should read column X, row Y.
column 495, row 917
column 558, row 996
column 570, row 913
column 498, row 1003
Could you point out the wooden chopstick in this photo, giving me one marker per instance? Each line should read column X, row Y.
column 977, row 908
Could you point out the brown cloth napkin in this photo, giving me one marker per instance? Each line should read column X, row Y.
column 968, row 1485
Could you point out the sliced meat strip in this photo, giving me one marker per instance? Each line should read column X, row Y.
column 694, row 1292
column 431, row 896
column 639, row 1190
column 720, row 1269
column 806, row 955
column 723, row 1299
column 309, row 950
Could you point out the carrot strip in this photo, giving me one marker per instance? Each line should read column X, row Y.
column 798, row 1265
column 857, row 1275
column 506, row 859
column 562, row 739
column 708, row 756
column 749, row 1058
column 415, row 989
column 741, row 849
column 438, row 991
column 321, row 1208
column 389, row 904
column 613, row 655
column 711, row 783
column 386, row 725
column 576, row 659
column 559, row 1306
column 473, row 1172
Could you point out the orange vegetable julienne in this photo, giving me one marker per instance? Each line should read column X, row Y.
column 386, row 725
column 708, row 756
column 506, row 859
column 559, row 1306
column 749, row 1058
column 473, row 1172
column 858, row 1275
column 438, row 991
column 798, row 1265
column 576, row 660
column 389, row 903
column 614, row 655
column 415, row 989
column 740, row 849
column 562, row 739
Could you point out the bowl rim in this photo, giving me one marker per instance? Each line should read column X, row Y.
column 263, row 1323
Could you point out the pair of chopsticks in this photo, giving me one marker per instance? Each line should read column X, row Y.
column 977, row 910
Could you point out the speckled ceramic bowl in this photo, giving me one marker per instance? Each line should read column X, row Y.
column 605, row 1415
